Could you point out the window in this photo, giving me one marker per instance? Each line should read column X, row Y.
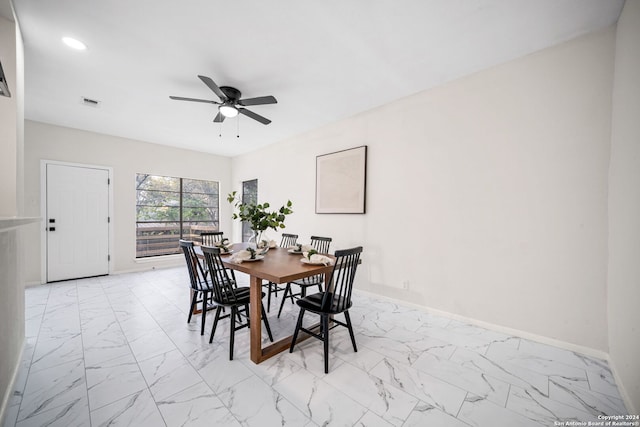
column 249, row 195
column 169, row 209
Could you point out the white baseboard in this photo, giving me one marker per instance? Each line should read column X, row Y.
column 4, row 405
column 587, row 351
column 148, row 267
column 631, row 409
column 33, row 283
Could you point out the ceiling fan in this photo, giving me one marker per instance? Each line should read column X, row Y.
column 230, row 103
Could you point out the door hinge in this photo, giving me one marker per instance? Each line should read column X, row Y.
column 108, row 257
column 109, row 220
column 108, row 181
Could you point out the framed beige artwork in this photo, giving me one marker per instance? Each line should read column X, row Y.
column 341, row 182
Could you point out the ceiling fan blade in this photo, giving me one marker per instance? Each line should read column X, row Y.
column 181, row 98
column 258, row 101
column 219, row 118
column 214, row 87
column 254, row 116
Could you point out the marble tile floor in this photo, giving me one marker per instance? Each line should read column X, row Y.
column 117, row 350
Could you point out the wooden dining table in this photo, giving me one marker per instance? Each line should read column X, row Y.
column 277, row 266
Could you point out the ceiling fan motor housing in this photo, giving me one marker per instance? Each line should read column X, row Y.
column 232, row 93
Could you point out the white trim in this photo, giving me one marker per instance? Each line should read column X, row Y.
column 148, row 268
column 43, row 212
column 154, row 263
column 587, row 351
column 7, row 224
column 157, row 258
column 631, row 409
column 33, row 283
column 4, row 405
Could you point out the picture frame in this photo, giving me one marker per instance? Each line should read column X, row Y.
column 341, row 181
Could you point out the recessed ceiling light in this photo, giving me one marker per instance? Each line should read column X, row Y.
column 73, row 43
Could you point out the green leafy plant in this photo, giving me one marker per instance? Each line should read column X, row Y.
column 257, row 215
column 252, row 252
column 311, row 252
column 223, row 245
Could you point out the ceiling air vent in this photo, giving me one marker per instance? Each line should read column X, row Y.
column 89, row 102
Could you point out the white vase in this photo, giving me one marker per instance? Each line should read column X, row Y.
column 259, row 241
column 256, row 238
column 253, row 240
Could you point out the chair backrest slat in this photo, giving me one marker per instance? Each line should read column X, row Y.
column 223, row 286
column 197, row 274
column 321, row 244
column 288, row 240
column 342, row 278
column 208, row 238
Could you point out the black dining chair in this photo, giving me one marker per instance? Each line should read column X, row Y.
column 335, row 300
column 320, row 244
column 209, row 238
column 227, row 295
column 200, row 284
column 288, row 240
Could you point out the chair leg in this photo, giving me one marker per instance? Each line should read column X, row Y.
column 269, row 291
column 266, row 323
column 205, row 296
column 246, row 312
column 215, row 323
column 295, row 333
column 194, row 301
column 325, row 339
column 287, row 290
column 234, row 311
column 353, row 338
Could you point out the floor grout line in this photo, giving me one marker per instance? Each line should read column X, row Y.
column 479, row 362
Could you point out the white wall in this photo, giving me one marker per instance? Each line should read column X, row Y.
column 9, row 117
column 487, row 195
column 11, row 237
column 126, row 157
column 624, row 209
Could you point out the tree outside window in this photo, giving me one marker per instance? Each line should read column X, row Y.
column 249, row 196
column 169, row 209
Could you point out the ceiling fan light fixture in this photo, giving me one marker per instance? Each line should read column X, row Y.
column 228, row 110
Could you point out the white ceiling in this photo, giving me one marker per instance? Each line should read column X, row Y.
column 323, row 60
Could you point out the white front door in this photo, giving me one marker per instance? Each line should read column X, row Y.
column 77, row 222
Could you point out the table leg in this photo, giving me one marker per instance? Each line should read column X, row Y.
column 255, row 325
column 259, row 354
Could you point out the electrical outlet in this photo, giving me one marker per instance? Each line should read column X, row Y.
column 405, row 284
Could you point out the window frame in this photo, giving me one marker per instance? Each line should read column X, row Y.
column 248, row 196
column 165, row 239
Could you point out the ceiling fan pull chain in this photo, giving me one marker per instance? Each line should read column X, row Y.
column 220, row 130
column 238, row 127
